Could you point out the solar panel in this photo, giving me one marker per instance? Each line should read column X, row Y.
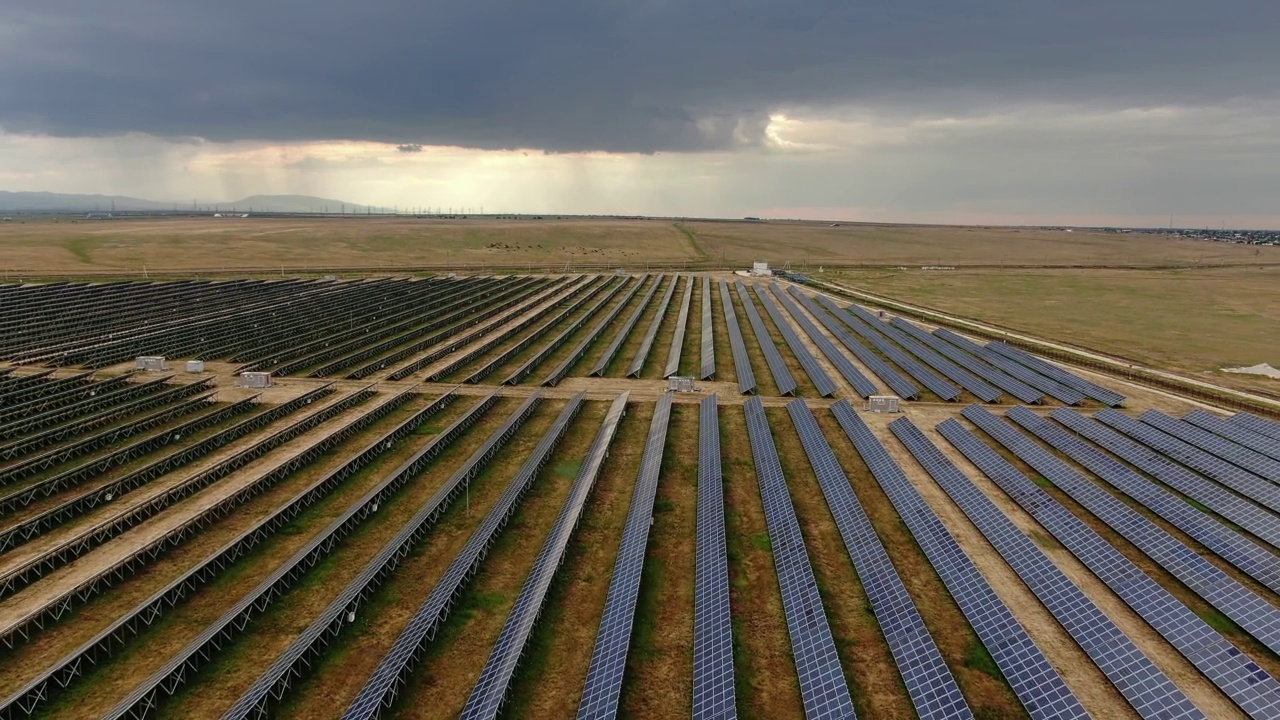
column 1220, row 661
column 713, row 692
column 1135, row 676
column 1049, row 370
column 580, row 349
column 822, row 685
column 1241, row 457
column 777, row 366
column 821, row 381
column 382, row 687
column 1255, row 615
column 1244, row 482
column 1052, row 388
column 1228, row 544
column 682, row 323
column 950, row 370
column 1238, row 510
column 1035, row 682
column 896, row 382
column 1237, row 434
column 490, row 691
column 621, row 336
column 646, row 343
column 1015, row 387
column 922, row 375
column 1260, row 425
column 741, row 364
column 930, row 684
column 609, row 658
column 708, row 363
column 860, row 383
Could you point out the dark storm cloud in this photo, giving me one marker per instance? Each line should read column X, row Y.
column 620, row 75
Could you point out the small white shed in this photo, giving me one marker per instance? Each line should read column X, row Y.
column 680, row 383
column 195, row 366
column 151, row 362
column 882, row 404
column 255, row 380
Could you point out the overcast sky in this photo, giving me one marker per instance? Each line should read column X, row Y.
column 1088, row 112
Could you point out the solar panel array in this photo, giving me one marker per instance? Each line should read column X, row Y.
column 822, row 684
column 777, row 366
column 1240, row 456
column 1049, row 387
column 1238, row 510
column 490, row 691
column 1251, row 688
column 930, row 684
column 1261, row 491
column 1140, row 681
column 713, row 692
column 1037, row 685
column 621, row 336
column 1260, row 425
column 922, row 375
column 609, row 658
column 1015, row 387
column 896, row 382
column 1237, row 434
column 1255, row 615
column 381, row 688
column 544, row 352
column 707, row 367
column 860, row 383
column 682, row 324
column 646, row 343
column 822, row 382
column 1049, row 370
column 741, row 364
column 581, row 348
column 1244, row 554
column 980, row 388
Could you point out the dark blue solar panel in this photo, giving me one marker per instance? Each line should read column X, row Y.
column 923, row 375
column 646, row 343
column 1049, row 370
column 990, row 373
column 821, row 381
column 623, row 332
column 713, row 692
column 1232, row 671
column 860, row 383
column 682, row 323
column 822, row 685
column 1260, row 425
column 1237, row 434
column 741, row 364
column 1240, row 456
column 1049, row 387
column 1035, row 682
column 777, row 366
column 930, row 684
column 1139, row 680
column 708, row 358
column 896, row 382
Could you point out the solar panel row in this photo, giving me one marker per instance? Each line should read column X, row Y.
column 930, row 684
column 1255, row 615
column 1035, row 682
column 822, row 382
column 646, row 343
column 1228, row 544
column 1240, row 456
column 777, row 366
column 682, row 324
column 1233, row 672
column 707, row 366
column 741, row 364
column 1151, row 693
column 1238, row 434
column 1246, row 483
column 1260, row 425
column 896, row 382
column 383, row 685
column 1049, row 387
column 544, row 352
column 1049, row 370
column 713, row 692
column 980, row 388
column 922, row 375
column 1257, row 520
column 822, row 684
column 580, row 349
column 609, row 658
column 621, row 336
column 855, row 378
column 490, row 691
column 1025, row 393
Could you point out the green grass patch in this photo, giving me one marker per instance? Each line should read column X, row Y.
column 567, row 468
column 977, row 657
column 761, row 541
column 428, row 429
column 1219, row 622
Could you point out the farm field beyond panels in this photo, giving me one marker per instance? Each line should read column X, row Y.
column 475, row 496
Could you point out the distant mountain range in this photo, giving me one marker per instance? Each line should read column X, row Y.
column 62, row 202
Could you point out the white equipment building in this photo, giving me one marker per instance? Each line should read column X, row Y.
column 255, row 380
column 882, row 404
column 151, row 362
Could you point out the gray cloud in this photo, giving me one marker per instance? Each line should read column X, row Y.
column 617, row 75
column 411, row 148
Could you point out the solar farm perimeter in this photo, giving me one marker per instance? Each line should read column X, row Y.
column 474, row 497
